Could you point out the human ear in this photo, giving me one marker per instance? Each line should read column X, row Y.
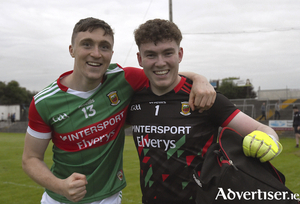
column 71, row 51
column 180, row 54
column 139, row 58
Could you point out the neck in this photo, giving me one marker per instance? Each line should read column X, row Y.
column 79, row 84
column 161, row 90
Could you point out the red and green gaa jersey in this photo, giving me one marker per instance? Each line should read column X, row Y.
column 87, row 129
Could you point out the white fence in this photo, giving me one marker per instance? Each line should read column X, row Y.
column 278, row 94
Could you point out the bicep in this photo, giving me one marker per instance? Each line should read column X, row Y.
column 34, row 147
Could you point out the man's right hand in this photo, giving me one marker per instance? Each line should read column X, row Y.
column 75, row 187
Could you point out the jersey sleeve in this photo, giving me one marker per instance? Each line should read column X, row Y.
column 36, row 125
column 223, row 111
column 136, row 78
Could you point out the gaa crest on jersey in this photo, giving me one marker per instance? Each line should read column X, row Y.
column 114, row 98
column 120, row 175
column 185, row 108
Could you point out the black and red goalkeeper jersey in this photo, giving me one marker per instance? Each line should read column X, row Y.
column 171, row 140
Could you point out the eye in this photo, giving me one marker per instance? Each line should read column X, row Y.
column 150, row 55
column 169, row 53
column 104, row 47
column 86, row 44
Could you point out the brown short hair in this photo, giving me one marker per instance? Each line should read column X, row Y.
column 90, row 24
column 157, row 30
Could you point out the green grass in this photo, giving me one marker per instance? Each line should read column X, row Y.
column 132, row 193
column 17, row 188
column 288, row 162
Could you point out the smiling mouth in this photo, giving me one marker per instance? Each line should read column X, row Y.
column 164, row 72
column 94, row 64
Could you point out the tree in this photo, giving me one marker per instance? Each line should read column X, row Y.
column 232, row 91
column 12, row 93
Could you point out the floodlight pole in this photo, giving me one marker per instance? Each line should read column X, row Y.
column 170, row 11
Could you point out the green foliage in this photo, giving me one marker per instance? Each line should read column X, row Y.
column 12, row 93
column 17, row 187
column 232, row 91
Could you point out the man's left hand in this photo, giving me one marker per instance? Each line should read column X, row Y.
column 261, row 145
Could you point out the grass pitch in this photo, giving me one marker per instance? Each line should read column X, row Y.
column 17, row 188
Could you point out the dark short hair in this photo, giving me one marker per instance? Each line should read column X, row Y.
column 295, row 107
column 90, row 24
column 157, row 30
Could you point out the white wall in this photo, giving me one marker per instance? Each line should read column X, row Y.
column 10, row 109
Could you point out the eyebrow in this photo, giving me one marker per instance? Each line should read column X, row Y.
column 91, row 40
column 166, row 50
column 169, row 49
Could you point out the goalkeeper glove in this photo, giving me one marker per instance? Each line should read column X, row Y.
column 261, row 145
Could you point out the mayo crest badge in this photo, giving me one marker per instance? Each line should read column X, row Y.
column 113, row 97
column 185, row 109
column 120, row 175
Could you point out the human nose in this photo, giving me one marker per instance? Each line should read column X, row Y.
column 96, row 52
column 160, row 61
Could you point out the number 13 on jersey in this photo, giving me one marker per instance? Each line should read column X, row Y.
column 88, row 111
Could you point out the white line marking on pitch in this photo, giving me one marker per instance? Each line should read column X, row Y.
column 24, row 185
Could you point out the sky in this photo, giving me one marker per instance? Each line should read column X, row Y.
column 257, row 40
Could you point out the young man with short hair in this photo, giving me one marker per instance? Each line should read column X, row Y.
column 170, row 138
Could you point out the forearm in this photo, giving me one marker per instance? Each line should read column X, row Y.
column 268, row 130
column 73, row 187
column 39, row 172
column 195, row 77
column 34, row 166
column 243, row 124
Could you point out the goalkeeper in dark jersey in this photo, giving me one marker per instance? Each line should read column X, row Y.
column 171, row 138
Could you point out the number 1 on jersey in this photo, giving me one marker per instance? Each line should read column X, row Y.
column 156, row 110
